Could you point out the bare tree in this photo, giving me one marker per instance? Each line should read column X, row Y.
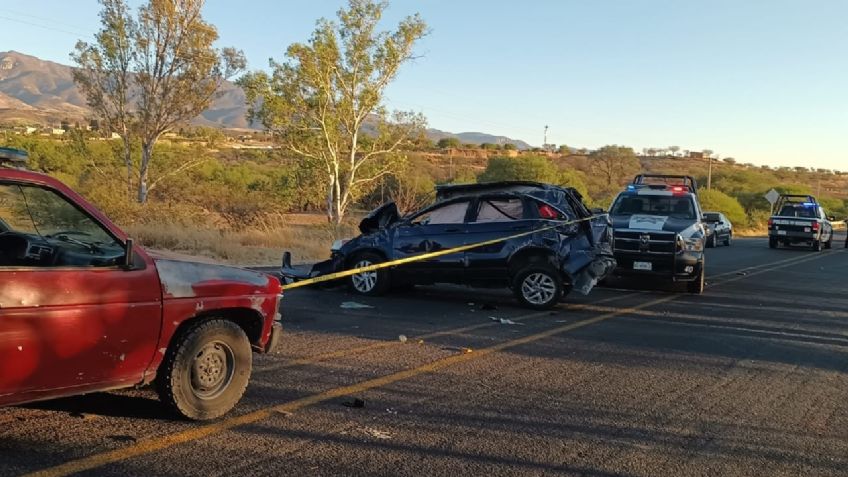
column 153, row 73
column 103, row 74
column 325, row 103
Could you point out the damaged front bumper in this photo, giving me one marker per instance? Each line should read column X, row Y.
column 295, row 273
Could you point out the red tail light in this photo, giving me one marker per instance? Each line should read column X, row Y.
column 548, row 212
column 771, row 222
column 815, row 226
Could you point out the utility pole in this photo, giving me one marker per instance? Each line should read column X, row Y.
column 710, row 172
column 545, row 144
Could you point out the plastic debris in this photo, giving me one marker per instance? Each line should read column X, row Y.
column 402, row 338
column 376, row 433
column 352, row 305
column 356, row 403
column 504, row 321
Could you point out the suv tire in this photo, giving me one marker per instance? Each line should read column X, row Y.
column 374, row 283
column 772, row 242
column 538, row 286
column 729, row 239
column 206, row 370
column 817, row 245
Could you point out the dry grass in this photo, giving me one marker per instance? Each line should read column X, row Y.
column 307, row 237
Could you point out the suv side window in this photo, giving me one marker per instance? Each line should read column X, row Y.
column 500, row 210
column 452, row 213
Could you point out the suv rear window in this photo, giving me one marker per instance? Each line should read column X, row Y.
column 500, row 210
column 680, row 207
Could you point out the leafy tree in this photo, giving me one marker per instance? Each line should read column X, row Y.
column 575, row 179
column 521, row 168
column 715, row 200
column 729, row 160
column 564, row 150
column 614, row 164
column 449, row 143
column 674, row 150
column 319, row 100
column 488, row 146
column 146, row 75
column 510, row 147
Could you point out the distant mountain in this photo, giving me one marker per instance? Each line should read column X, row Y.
column 477, row 138
column 46, row 92
column 33, row 90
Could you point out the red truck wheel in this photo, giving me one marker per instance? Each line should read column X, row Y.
column 206, row 370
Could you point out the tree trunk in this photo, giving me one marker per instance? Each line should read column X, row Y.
column 128, row 163
column 330, row 189
column 338, row 199
column 146, row 153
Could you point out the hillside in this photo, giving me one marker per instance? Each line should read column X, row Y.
column 35, row 91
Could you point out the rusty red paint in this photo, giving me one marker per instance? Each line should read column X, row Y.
column 71, row 330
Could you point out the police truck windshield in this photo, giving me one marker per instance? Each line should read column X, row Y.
column 668, row 206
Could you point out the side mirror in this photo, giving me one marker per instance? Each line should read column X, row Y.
column 129, row 254
column 831, row 218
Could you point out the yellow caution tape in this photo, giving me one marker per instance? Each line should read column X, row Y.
column 425, row 256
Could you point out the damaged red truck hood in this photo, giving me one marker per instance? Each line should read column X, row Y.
column 188, row 279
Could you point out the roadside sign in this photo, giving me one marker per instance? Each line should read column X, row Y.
column 772, row 196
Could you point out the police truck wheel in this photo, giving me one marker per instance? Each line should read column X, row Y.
column 697, row 286
column 829, row 243
column 205, row 370
column 817, row 245
column 538, row 287
column 772, row 242
column 373, row 283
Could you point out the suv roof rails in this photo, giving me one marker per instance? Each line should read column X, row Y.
column 11, row 157
column 665, row 181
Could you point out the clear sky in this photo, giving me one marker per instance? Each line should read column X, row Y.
column 764, row 81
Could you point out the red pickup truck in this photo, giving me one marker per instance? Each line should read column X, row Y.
column 83, row 310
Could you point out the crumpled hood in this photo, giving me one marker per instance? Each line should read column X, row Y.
column 183, row 279
column 379, row 218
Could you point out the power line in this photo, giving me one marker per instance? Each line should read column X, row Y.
column 48, row 20
column 46, row 27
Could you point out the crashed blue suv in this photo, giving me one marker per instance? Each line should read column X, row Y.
column 540, row 267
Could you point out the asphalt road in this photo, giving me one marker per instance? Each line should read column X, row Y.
column 751, row 378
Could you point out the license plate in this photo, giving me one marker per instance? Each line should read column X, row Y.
column 642, row 266
column 806, row 229
column 781, row 232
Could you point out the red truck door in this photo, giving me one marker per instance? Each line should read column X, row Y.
column 71, row 317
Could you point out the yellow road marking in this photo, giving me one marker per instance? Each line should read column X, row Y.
column 155, row 444
column 388, row 344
